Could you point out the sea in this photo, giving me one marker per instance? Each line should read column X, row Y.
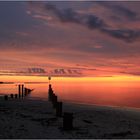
column 120, row 93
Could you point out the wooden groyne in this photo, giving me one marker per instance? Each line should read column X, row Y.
column 58, row 106
column 22, row 93
column 52, row 97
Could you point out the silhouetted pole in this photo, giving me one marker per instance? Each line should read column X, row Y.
column 50, row 86
column 6, row 97
column 50, row 93
column 22, row 88
column 11, row 95
column 68, row 121
column 19, row 90
column 26, row 91
column 59, row 109
column 16, row 96
column 54, row 100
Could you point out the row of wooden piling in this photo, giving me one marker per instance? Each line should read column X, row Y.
column 58, row 106
column 22, row 92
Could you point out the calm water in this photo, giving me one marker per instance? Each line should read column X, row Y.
column 91, row 92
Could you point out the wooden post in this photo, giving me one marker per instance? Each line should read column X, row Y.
column 22, row 88
column 54, row 101
column 11, row 95
column 50, row 86
column 50, row 93
column 19, row 91
column 59, row 109
column 52, row 97
column 16, row 96
column 5, row 97
column 68, row 121
column 26, row 91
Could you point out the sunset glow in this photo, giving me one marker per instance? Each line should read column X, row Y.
column 82, row 39
column 70, row 69
column 90, row 46
column 23, row 79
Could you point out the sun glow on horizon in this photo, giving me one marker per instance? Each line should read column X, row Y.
column 70, row 79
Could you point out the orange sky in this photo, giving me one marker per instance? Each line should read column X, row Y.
column 119, row 79
column 72, row 39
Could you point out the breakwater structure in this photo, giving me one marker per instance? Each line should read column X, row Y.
column 22, row 93
column 58, row 107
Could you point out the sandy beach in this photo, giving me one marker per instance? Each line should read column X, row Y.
column 30, row 118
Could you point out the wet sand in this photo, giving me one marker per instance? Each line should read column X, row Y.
column 36, row 119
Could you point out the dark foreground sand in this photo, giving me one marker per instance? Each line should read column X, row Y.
column 36, row 119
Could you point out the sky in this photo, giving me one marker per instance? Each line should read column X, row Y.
column 83, row 38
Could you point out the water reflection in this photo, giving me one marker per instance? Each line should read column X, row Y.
column 92, row 92
column 115, row 94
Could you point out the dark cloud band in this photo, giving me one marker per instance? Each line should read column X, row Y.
column 91, row 21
